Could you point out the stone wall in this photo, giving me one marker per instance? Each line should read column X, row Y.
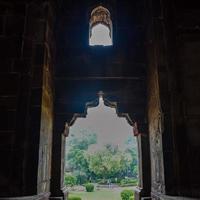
column 188, row 116
column 31, row 109
column 25, row 99
column 83, row 71
column 173, row 97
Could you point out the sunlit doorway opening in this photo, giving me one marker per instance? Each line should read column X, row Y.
column 101, row 155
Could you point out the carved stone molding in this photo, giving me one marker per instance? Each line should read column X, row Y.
column 101, row 15
column 94, row 104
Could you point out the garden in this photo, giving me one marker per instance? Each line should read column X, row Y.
column 105, row 173
column 103, row 194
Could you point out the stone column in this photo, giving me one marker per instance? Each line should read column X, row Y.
column 58, row 190
column 143, row 189
column 26, row 99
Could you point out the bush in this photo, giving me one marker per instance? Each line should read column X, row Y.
column 128, row 182
column 89, row 187
column 74, row 198
column 81, row 177
column 70, row 180
column 115, row 180
column 102, row 181
column 126, row 194
column 131, row 198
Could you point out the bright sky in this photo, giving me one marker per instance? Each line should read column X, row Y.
column 100, row 36
column 104, row 121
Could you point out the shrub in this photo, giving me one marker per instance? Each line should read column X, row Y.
column 102, row 181
column 128, row 182
column 81, row 177
column 70, row 180
column 74, row 198
column 89, row 187
column 126, row 194
column 115, row 180
column 131, row 198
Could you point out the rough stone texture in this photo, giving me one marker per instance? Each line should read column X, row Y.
column 189, row 117
column 82, row 71
column 25, row 101
column 172, row 57
column 48, row 73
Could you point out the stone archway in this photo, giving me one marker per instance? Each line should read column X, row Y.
column 57, row 182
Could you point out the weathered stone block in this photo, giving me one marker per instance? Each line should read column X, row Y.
column 10, row 47
column 5, row 7
column 9, row 102
column 1, row 25
column 14, row 25
column 7, row 140
column 9, row 84
column 37, row 10
column 27, row 48
column 12, row 8
column 35, row 113
column 36, row 97
column 5, row 154
column 6, row 65
column 37, row 77
column 8, row 120
column 35, row 29
column 22, row 65
column 19, row 8
column 39, row 54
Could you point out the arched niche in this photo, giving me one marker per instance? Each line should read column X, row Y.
column 100, row 27
column 106, row 103
column 142, row 140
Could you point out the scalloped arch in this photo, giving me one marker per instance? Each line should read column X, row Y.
column 96, row 103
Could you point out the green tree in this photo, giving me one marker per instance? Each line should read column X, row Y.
column 132, row 150
column 77, row 144
column 108, row 162
column 81, row 139
column 70, row 180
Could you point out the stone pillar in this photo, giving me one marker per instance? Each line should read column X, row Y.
column 143, row 190
column 26, row 101
column 58, row 190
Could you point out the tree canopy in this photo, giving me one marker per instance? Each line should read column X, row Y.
column 108, row 162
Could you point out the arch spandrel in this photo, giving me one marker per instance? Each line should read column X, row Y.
column 101, row 15
column 113, row 104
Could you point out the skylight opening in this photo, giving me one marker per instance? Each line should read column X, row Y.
column 100, row 29
column 100, row 36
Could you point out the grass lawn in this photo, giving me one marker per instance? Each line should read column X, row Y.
column 102, row 194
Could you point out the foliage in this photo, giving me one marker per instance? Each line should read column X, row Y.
column 81, row 140
column 74, row 198
column 131, row 198
column 81, row 176
column 108, row 162
column 126, row 194
column 101, row 194
column 70, row 180
column 132, row 150
column 76, row 158
column 89, row 187
column 116, row 180
column 128, row 182
column 102, row 181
